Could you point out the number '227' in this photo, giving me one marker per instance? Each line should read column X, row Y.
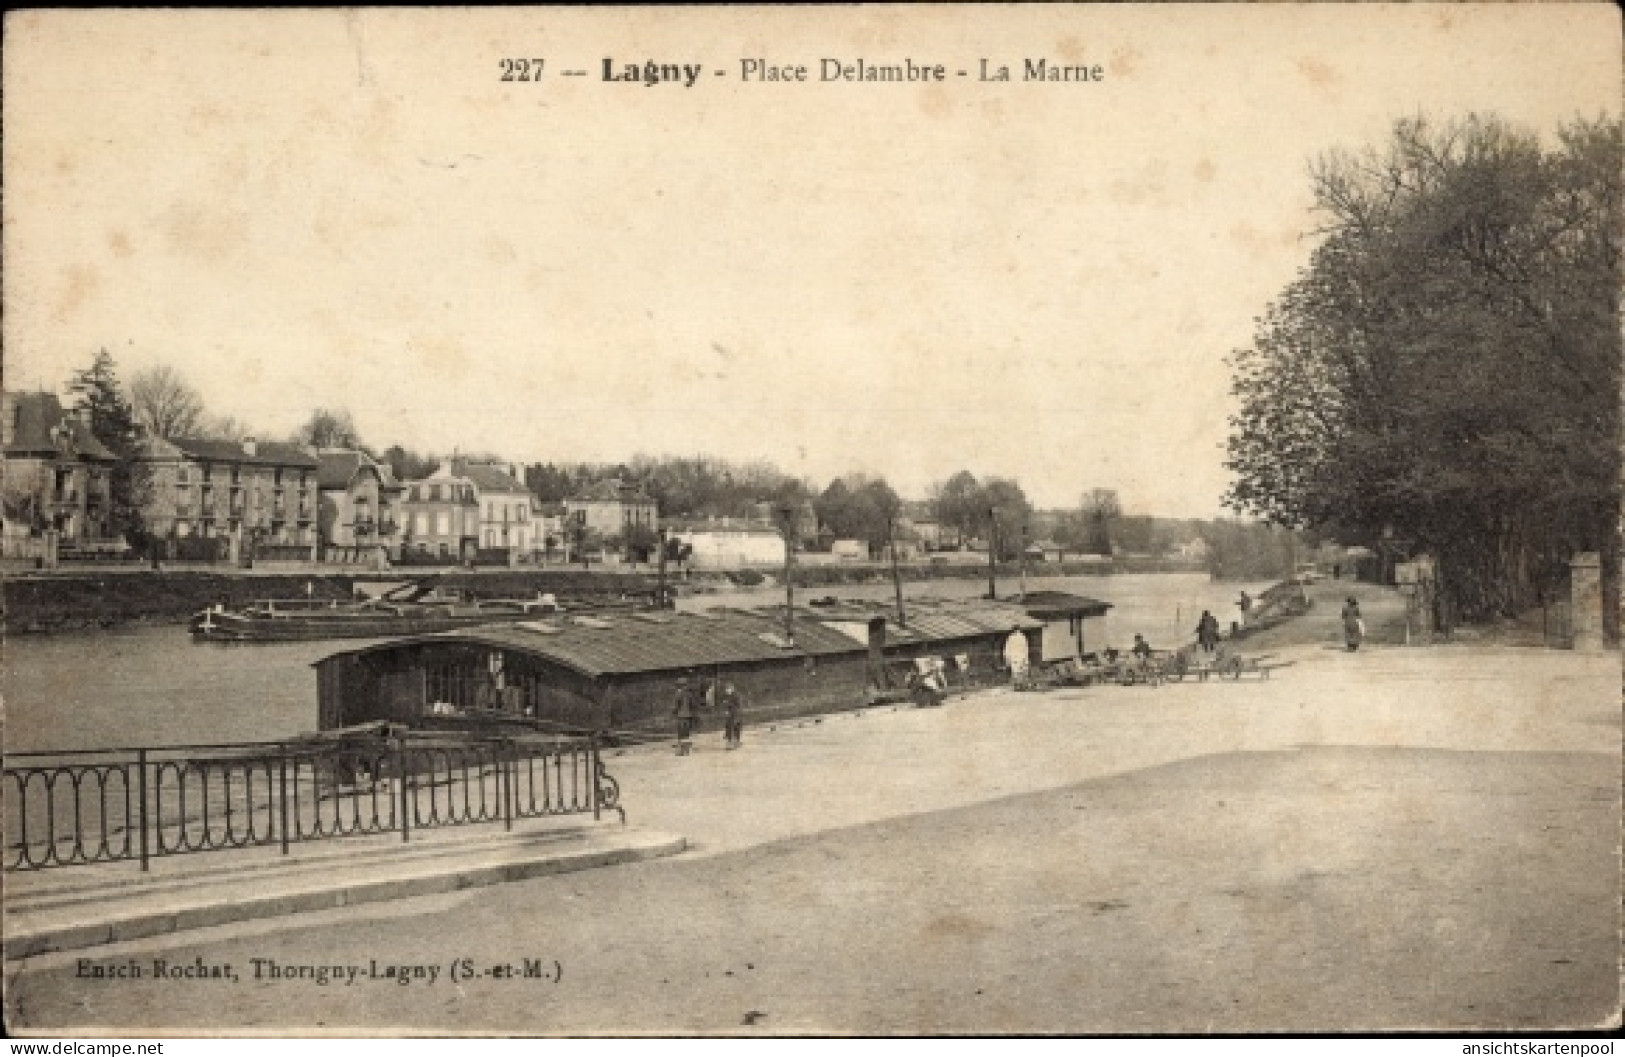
column 521, row 69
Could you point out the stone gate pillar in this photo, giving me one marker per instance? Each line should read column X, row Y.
column 1585, row 594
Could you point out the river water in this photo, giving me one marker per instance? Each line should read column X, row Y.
column 153, row 686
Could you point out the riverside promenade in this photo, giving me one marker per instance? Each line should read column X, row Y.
column 1394, row 839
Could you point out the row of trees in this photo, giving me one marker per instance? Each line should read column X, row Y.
column 1445, row 373
column 161, row 403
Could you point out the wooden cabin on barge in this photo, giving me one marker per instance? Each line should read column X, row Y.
column 619, row 673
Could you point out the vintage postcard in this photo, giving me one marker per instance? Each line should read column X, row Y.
column 768, row 521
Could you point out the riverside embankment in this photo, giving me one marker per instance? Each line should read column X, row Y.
column 119, row 595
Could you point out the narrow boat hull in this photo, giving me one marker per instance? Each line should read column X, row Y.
column 218, row 626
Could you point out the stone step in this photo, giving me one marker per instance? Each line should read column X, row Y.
column 111, row 909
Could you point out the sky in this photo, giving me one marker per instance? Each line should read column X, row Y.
column 1038, row 280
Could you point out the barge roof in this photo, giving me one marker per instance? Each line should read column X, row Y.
column 633, row 643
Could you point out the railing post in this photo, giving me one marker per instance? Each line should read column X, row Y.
column 282, row 794
column 504, row 760
column 141, row 781
column 400, row 770
column 592, row 779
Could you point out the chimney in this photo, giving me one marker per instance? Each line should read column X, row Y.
column 250, row 446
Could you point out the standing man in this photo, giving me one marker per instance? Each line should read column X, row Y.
column 1246, row 608
column 733, row 726
column 683, row 710
column 1207, row 632
column 1353, row 625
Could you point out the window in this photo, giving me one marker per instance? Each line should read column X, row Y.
column 442, row 524
column 423, row 524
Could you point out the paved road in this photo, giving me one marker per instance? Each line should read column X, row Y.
column 1384, row 840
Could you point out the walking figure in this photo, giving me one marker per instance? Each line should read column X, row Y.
column 733, row 726
column 1353, row 625
column 1207, row 631
column 683, row 709
column 1246, row 607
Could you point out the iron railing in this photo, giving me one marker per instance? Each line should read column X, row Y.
column 80, row 807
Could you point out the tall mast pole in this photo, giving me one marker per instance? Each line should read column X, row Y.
column 896, row 578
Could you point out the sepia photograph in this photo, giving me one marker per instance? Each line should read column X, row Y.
column 763, row 521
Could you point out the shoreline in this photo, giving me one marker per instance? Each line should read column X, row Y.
column 84, row 600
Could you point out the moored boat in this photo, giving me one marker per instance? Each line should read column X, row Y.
column 419, row 609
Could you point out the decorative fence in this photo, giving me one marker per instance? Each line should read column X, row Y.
column 74, row 808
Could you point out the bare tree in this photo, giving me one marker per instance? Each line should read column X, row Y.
column 222, row 427
column 165, row 404
column 329, row 428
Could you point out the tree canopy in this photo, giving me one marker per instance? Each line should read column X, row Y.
column 1446, row 371
column 113, row 421
column 329, row 428
column 165, row 404
column 859, row 507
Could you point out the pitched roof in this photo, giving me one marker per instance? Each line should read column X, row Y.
column 1054, row 605
column 338, row 467
column 646, row 642
column 37, row 416
column 929, row 619
column 266, row 453
column 611, row 491
column 490, row 478
column 630, row 643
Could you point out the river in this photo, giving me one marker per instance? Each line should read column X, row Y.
column 153, row 686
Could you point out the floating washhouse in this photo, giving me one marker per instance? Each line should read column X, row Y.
column 1073, row 624
column 619, row 673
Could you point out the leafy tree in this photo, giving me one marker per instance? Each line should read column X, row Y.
column 407, row 465
column 957, row 504
column 113, row 422
column 1101, row 512
column 1006, row 511
column 1445, row 374
column 164, row 403
column 861, row 508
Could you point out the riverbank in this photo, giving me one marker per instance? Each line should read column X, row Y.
column 67, row 601
column 73, row 600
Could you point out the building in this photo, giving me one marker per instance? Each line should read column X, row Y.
column 440, row 517
column 58, row 476
column 466, row 507
column 547, row 529
column 850, row 550
column 917, row 521
column 611, row 508
column 505, row 509
column 728, row 543
column 255, row 493
column 360, row 501
column 1073, row 624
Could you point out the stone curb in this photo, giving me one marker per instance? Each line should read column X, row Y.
column 228, row 903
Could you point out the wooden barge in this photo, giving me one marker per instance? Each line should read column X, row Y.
column 418, row 609
column 618, row 674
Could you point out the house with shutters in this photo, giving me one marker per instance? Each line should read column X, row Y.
column 221, row 489
column 58, row 476
column 360, row 501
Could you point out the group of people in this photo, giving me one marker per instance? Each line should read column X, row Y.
column 690, row 701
